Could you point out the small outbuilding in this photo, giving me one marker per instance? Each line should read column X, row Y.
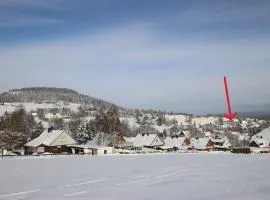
column 91, row 149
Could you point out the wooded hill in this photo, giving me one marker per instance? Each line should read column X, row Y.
column 51, row 95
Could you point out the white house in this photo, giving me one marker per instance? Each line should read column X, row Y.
column 91, row 149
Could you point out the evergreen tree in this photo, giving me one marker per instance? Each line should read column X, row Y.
column 37, row 130
column 82, row 135
column 92, row 129
column 73, row 126
column 174, row 130
column 12, row 140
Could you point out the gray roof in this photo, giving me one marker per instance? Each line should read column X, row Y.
column 174, row 142
column 146, row 140
column 265, row 134
column 199, row 143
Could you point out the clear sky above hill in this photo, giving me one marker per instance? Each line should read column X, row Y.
column 159, row 54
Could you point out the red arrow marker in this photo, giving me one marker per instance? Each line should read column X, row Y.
column 229, row 116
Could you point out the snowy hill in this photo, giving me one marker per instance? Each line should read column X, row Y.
column 48, row 98
column 50, row 95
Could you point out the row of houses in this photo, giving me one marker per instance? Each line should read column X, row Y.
column 61, row 142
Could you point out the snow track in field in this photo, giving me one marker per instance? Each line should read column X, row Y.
column 15, row 194
column 86, row 183
column 76, row 193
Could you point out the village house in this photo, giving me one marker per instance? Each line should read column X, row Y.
column 221, row 143
column 202, row 144
column 260, row 142
column 54, row 141
column 173, row 143
column 146, row 140
column 101, row 144
column 259, row 145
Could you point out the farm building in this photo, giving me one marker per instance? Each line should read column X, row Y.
column 260, row 142
column 91, row 149
column 145, row 140
column 178, row 143
column 221, row 144
column 202, row 144
column 55, row 141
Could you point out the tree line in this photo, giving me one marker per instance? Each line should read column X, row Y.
column 17, row 128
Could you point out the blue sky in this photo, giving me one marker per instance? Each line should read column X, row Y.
column 168, row 55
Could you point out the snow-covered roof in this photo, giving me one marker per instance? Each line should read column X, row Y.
column 219, row 139
column 208, row 134
column 204, row 120
column 221, row 142
column 48, row 138
column 174, row 141
column 260, row 142
column 199, row 143
column 265, row 134
column 178, row 118
column 147, row 140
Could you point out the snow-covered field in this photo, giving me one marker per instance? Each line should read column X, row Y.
column 168, row 176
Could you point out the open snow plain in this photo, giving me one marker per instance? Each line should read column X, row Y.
column 134, row 177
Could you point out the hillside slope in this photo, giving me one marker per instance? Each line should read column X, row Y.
column 51, row 95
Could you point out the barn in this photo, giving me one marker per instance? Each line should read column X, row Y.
column 54, row 141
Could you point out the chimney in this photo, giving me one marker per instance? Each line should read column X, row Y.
column 50, row 129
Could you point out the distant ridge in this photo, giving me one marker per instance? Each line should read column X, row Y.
column 51, row 94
